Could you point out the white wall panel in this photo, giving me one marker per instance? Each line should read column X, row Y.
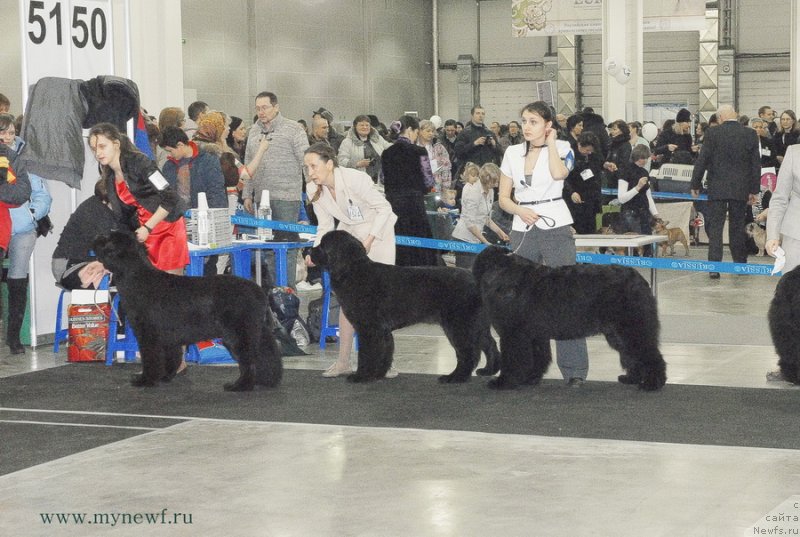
column 671, row 64
column 757, row 89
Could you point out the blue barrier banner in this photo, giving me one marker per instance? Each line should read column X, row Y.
column 662, row 195
column 436, row 244
column 251, row 221
column 691, row 265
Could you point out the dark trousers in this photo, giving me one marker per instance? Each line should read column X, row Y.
column 736, row 210
column 638, row 221
column 584, row 217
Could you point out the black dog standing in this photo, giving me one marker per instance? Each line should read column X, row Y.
column 167, row 311
column 380, row 298
column 784, row 327
column 530, row 304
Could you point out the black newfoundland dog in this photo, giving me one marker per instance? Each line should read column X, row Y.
column 378, row 299
column 167, row 311
column 784, row 325
column 530, row 304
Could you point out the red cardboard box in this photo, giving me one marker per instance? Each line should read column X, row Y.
column 88, row 326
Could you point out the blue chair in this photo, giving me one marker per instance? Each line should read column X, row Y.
column 127, row 343
column 326, row 328
column 62, row 332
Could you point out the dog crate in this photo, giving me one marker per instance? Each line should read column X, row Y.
column 674, row 178
column 220, row 229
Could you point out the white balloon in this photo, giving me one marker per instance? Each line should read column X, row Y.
column 649, row 131
column 437, row 121
column 623, row 74
column 612, row 67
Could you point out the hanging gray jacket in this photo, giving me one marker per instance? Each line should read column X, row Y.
column 53, row 132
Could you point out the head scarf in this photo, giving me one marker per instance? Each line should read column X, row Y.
column 211, row 127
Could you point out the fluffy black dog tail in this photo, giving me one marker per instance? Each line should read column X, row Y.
column 269, row 365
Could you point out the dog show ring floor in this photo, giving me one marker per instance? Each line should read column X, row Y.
column 712, row 454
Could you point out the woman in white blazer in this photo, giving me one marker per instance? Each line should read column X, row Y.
column 783, row 221
column 349, row 196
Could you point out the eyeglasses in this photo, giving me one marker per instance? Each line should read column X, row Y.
column 264, row 108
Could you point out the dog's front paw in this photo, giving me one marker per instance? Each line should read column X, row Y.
column 359, row 378
column 452, row 378
column 628, row 378
column 653, row 381
column 502, row 383
column 238, row 386
column 139, row 380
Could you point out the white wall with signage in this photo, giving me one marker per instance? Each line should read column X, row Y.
column 83, row 39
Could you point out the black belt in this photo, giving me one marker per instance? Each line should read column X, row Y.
column 537, row 202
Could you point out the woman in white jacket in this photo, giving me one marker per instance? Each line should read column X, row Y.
column 350, row 197
column 362, row 148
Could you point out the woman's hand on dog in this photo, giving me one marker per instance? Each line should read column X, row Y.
column 368, row 242
column 142, row 233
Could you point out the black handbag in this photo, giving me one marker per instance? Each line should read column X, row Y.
column 44, row 226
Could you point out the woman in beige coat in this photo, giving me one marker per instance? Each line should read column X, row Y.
column 349, row 196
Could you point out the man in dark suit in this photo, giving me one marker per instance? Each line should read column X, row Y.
column 731, row 156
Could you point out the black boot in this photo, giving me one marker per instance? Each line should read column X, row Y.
column 17, row 301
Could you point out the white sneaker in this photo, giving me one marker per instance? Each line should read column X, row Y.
column 307, row 287
column 392, row 373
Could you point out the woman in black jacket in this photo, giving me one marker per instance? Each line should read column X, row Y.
column 619, row 153
column 786, row 135
column 674, row 144
column 135, row 186
column 582, row 186
column 407, row 177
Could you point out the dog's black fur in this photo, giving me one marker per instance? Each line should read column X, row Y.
column 378, row 299
column 784, row 324
column 167, row 311
column 529, row 304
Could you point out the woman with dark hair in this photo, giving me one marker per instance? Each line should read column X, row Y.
column 786, row 135
column 407, row 177
column 531, row 187
column 24, row 225
column 237, row 136
column 135, row 186
column 582, row 186
column 362, row 148
column 348, row 196
column 619, row 152
column 574, row 128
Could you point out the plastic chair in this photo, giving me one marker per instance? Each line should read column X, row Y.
column 62, row 332
column 326, row 328
column 127, row 343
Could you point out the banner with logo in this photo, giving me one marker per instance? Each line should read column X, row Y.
column 530, row 18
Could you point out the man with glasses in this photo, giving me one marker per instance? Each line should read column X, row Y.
column 280, row 170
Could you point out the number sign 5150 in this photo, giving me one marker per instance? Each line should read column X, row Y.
column 86, row 26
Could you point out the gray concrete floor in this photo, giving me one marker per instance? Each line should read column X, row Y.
column 232, row 478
